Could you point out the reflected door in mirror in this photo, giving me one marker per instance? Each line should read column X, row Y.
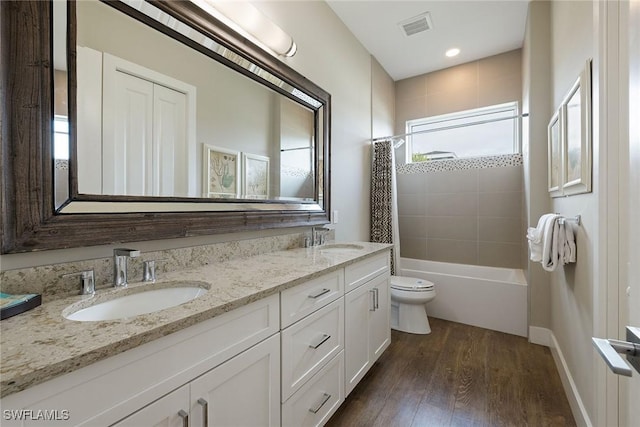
column 137, row 141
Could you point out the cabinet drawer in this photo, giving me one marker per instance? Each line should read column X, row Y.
column 318, row 399
column 357, row 274
column 302, row 300
column 309, row 345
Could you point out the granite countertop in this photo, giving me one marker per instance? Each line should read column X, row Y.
column 41, row 344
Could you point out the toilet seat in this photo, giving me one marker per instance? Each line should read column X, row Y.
column 411, row 284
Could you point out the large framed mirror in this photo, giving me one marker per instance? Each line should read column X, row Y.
column 172, row 126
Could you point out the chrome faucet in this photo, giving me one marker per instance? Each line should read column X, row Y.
column 319, row 235
column 120, row 261
column 87, row 281
column 149, row 273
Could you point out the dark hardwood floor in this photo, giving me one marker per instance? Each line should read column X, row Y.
column 459, row 375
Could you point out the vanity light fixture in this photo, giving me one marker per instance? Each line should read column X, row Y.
column 452, row 52
column 247, row 20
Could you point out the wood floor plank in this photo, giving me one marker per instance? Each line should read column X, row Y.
column 371, row 394
column 442, row 388
column 507, row 386
column 471, row 398
column 459, row 375
column 405, row 397
column 428, row 415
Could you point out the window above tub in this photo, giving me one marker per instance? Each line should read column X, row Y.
column 486, row 131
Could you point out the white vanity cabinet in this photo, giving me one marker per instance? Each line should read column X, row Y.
column 312, row 350
column 168, row 411
column 288, row 359
column 367, row 321
column 241, row 392
column 116, row 388
column 318, row 399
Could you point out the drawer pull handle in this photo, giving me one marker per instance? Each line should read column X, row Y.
column 319, row 293
column 325, row 398
column 185, row 418
column 324, row 338
column 377, row 293
column 205, row 411
column 373, row 300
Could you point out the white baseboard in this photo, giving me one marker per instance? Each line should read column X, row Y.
column 544, row 336
column 540, row 336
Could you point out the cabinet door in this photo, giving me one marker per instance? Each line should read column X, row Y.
column 244, row 391
column 168, row 411
column 379, row 323
column 358, row 304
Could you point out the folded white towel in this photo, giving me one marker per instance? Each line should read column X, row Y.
column 550, row 244
column 568, row 242
column 536, row 237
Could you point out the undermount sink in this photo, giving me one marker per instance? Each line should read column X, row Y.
column 341, row 248
column 146, row 301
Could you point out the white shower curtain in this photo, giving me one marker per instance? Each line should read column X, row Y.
column 384, row 205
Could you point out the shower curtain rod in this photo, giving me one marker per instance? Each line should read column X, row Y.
column 447, row 128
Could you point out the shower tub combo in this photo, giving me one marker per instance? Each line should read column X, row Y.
column 488, row 297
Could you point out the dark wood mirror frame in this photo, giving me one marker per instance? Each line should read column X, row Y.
column 29, row 218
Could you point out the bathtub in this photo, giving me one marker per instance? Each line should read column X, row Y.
column 488, row 297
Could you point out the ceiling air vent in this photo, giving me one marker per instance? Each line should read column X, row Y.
column 416, row 25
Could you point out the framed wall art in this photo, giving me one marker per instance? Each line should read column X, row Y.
column 577, row 144
column 570, row 140
column 255, row 183
column 554, row 133
column 221, row 172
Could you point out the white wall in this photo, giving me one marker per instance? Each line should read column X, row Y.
column 536, row 103
column 560, row 37
column 330, row 56
column 383, row 101
column 572, row 288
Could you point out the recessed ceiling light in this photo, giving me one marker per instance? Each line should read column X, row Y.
column 452, row 52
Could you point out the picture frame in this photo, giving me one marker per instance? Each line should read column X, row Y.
column 255, row 172
column 221, row 172
column 555, row 167
column 569, row 135
column 577, row 145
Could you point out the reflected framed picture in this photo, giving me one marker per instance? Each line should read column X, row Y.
column 577, row 145
column 221, row 172
column 255, row 182
column 554, row 135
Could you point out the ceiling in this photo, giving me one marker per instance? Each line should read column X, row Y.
column 479, row 28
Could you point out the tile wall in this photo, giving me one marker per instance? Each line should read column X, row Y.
column 488, row 81
column 472, row 216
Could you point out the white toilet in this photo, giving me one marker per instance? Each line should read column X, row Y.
column 408, row 298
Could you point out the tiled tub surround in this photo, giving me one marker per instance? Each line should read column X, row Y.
column 48, row 281
column 41, row 344
column 469, row 216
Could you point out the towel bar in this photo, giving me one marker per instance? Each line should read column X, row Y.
column 577, row 219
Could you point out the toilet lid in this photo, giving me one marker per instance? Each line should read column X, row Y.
column 410, row 284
